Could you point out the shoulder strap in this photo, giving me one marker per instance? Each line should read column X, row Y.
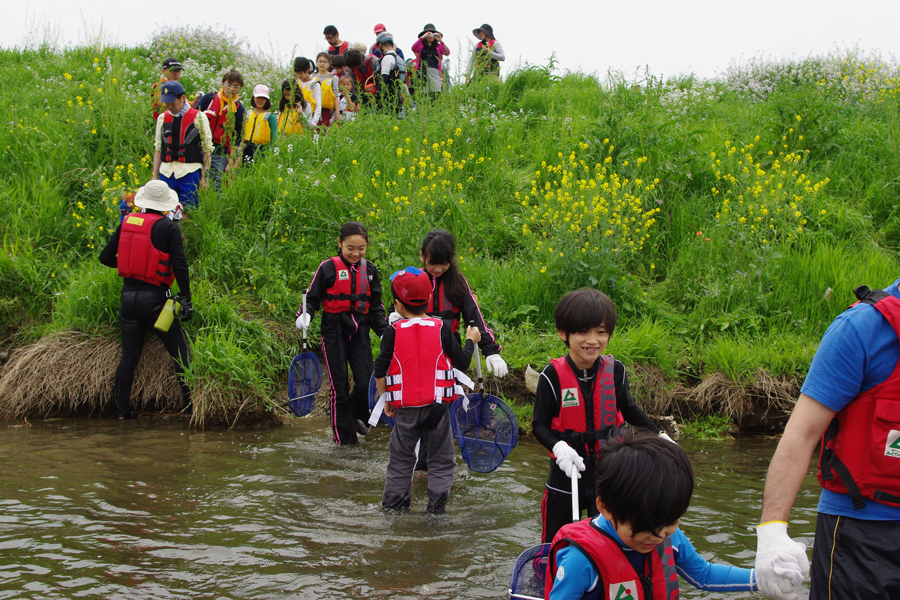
column 864, row 294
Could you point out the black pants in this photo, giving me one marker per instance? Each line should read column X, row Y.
column 556, row 511
column 345, row 341
column 853, row 559
column 137, row 313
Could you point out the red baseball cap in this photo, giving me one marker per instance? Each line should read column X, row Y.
column 412, row 288
column 380, row 27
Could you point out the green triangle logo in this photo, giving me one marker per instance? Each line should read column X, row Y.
column 895, row 445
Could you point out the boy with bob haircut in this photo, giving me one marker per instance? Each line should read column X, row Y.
column 417, row 369
column 580, row 397
column 634, row 548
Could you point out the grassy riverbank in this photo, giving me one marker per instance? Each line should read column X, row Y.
column 729, row 220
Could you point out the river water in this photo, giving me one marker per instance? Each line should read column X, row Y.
column 149, row 509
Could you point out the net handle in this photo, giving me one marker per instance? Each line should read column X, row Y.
column 478, row 364
column 304, row 318
column 576, row 512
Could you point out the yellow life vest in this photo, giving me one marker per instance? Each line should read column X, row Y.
column 257, row 129
column 290, row 121
column 328, row 97
column 306, row 90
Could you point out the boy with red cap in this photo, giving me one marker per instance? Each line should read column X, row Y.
column 416, row 374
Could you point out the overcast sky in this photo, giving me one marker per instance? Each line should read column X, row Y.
column 672, row 38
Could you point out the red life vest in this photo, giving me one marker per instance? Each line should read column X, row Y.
column 862, row 443
column 180, row 138
column 442, row 307
column 338, row 50
column 220, row 137
column 659, row 581
column 419, row 374
column 366, row 77
column 485, row 58
column 350, row 290
column 572, row 419
column 138, row 257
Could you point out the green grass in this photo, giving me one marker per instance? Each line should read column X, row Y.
column 549, row 181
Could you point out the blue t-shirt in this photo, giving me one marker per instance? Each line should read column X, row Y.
column 579, row 576
column 859, row 350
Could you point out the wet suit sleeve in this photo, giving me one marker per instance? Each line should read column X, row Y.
column 625, row 403
column 315, row 294
column 471, row 312
column 166, row 236
column 273, row 127
column 460, row 357
column 109, row 253
column 546, row 407
column 703, row 575
column 575, row 575
column 383, row 362
column 377, row 321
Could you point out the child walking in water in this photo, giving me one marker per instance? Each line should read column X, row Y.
column 416, row 368
column 348, row 289
column 330, row 83
column 634, row 545
column 572, row 415
column 260, row 126
column 453, row 300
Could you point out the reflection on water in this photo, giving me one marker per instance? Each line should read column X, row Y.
column 110, row 509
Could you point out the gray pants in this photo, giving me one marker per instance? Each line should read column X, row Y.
column 431, row 424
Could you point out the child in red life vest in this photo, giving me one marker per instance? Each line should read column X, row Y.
column 634, row 548
column 348, row 289
column 580, row 398
column 226, row 120
column 416, row 368
column 453, row 300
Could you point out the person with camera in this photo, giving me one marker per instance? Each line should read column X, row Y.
column 430, row 51
column 147, row 251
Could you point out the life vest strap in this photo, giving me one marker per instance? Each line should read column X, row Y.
column 864, row 294
column 831, row 462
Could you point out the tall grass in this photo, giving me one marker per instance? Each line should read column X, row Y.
column 651, row 190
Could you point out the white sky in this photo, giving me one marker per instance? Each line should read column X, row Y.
column 692, row 36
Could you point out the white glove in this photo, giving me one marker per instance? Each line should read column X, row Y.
column 781, row 563
column 496, row 365
column 567, row 459
column 302, row 322
column 394, row 317
column 666, row 437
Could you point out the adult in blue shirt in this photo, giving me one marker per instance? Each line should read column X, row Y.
column 857, row 544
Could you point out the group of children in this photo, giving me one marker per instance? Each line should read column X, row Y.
column 634, row 486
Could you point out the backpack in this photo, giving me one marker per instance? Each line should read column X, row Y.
column 399, row 70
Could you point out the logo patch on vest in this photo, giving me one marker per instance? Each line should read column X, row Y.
column 570, row 397
column 892, row 447
column 135, row 220
column 343, row 275
column 623, row 591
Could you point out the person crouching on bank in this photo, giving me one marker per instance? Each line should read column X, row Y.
column 147, row 251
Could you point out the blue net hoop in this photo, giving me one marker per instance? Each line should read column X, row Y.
column 373, row 400
column 486, row 432
column 304, row 381
column 529, row 574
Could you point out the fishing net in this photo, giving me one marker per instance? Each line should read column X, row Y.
column 486, row 431
column 529, row 573
column 304, row 381
column 373, row 400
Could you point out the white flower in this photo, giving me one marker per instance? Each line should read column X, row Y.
column 276, row 150
column 316, row 183
column 333, row 176
column 290, row 171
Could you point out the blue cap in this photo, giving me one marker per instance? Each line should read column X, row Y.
column 412, row 270
column 170, row 91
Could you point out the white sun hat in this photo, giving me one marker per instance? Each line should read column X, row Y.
column 156, row 195
column 261, row 91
